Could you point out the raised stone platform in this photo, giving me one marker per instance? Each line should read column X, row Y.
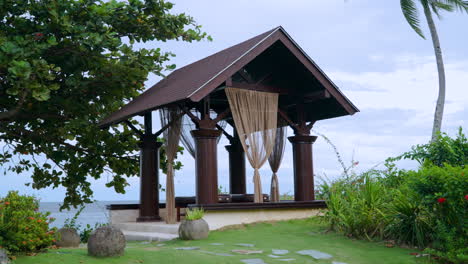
column 148, row 231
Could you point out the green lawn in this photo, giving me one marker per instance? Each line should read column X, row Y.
column 291, row 235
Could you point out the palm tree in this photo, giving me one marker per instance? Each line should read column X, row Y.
column 410, row 11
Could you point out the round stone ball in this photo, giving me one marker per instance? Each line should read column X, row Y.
column 106, row 241
column 4, row 257
column 67, row 237
column 193, row 230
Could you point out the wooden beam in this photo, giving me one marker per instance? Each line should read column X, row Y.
column 260, row 87
column 229, row 137
column 311, row 97
column 148, row 123
column 264, row 77
column 222, row 115
column 132, row 127
column 287, row 119
column 157, row 134
column 244, row 74
column 319, row 95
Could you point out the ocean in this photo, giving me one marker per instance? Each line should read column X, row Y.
column 92, row 214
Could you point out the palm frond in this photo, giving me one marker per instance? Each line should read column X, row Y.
column 411, row 14
column 460, row 5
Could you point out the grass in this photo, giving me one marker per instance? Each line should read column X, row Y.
column 292, row 235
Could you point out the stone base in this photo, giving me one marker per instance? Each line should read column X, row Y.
column 220, row 219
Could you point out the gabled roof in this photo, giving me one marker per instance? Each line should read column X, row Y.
column 197, row 80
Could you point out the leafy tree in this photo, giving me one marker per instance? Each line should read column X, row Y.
column 430, row 7
column 64, row 66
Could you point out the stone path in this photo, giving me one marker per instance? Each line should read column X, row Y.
column 187, row 248
column 217, row 254
column 277, row 254
column 245, row 245
column 280, row 251
column 247, row 252
column 253, row 261
column 315, row 254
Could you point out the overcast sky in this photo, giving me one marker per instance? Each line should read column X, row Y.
column 365, row 46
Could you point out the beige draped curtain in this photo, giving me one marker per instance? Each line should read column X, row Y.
column 275, row 161
column 171, row 115
column 255, row 118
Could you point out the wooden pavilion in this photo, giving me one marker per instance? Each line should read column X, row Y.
column 271, row 62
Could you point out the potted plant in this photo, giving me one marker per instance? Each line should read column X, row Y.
column 194, row 226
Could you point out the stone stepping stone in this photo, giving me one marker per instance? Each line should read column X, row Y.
column 160, row 245
column 217, row 244
column 287, row 260
column 274, row 256
column 315, row 254
column 217, row 254
column 187, row 248
column 246, row 252
column 253, row 261
column 245, row 245
column 280, row 251
column 334, row 262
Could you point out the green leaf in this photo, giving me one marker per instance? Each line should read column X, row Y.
column 20, row 69
column 42, row 94
column 410, row 11
column 52, row 41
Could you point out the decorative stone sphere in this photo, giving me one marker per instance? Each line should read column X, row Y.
column 194, row 229
column 106, row 241
column 67, row 237
column 4, row 257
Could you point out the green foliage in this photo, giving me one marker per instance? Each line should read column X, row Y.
column 410, row 221
column 222, row 190
column 87, row 230
column 64, row 66
column 426, row 208
column 84, row 232
column 443, row 191
column 72, row 222
column 444, row 149
column 22, row 228
column 194, row 214
column 357, row 205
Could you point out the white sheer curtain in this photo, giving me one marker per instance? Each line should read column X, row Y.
column 187, row 139
column 171, row 115
column 255, row 118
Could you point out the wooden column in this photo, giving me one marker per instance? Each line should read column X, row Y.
column 236, row 166
column 303, row 167
column 206, row 163
column 149, row 174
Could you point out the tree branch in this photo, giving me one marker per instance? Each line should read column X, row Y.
column 11, row 113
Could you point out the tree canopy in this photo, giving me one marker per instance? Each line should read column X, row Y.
column 64, row 66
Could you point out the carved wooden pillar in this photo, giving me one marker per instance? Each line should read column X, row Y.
column 236, row 166
column 206, row 163
column 149, row 175
column 303, row 167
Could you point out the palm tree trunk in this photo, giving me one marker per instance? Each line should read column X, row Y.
column 439, row 111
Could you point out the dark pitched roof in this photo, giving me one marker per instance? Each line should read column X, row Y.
column 198, row 79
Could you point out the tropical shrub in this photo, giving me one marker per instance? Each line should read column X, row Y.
column 194, row 214
column 443, row 191
column 22, row 227
column 410, row 221
column 444, row 150
column 357, row 206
